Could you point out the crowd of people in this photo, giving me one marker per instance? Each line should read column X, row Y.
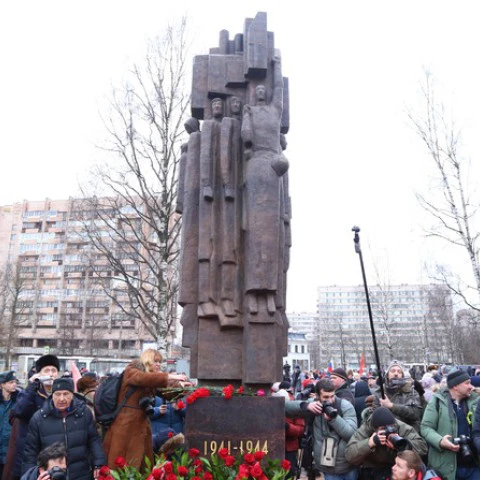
column 402, row 425
column 50, row 423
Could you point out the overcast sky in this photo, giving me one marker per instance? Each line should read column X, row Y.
column 354, row 66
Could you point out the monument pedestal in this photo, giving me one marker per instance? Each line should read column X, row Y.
column 240, row 424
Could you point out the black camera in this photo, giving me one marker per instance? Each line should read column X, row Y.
column 57, row 473
column 329, row 410
column 147, row 404
column 464, row 442
column 306, row 392
column 395, row 439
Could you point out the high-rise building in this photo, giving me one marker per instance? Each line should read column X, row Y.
column 411, row 324
column 65, row 295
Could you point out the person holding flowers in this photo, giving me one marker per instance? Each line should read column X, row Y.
column 130, row 435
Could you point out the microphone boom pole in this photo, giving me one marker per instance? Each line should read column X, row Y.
column 358, row 250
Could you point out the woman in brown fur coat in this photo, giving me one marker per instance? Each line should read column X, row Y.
column 130, row 435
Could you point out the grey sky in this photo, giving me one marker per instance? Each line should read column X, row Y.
column 354, row 68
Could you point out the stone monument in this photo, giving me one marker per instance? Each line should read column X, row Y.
column 235, row 206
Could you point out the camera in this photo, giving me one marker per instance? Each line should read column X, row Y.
column 395, row 439
column 57, row 473
column 306, row 392
column 147, row 403
column 329, row 410
column 463, row 441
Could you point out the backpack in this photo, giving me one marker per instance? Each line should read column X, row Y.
column 106, row 402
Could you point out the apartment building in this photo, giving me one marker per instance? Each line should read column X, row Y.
column 411, row 323
column 69, row 298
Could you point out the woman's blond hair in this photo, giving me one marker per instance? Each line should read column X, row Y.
column 148, row 358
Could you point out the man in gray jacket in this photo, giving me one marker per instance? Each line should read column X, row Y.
column 334, row 422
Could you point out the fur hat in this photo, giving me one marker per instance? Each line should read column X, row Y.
column 86, row 383
column 457, row 377
column 47, row 361
column 63, row 383
column 7, row 377
column 340, row 372
column 169, row 447
column 382, row 416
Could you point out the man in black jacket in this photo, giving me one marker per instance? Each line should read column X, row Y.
column 64, row 418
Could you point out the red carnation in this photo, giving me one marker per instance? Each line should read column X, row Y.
column 194, row 452
column 208, row 476
column 203, row 392
column 197, row 463
column 229, row 461
column 198, row 470
column 249, row 458
column 157, row 473
column 168, row 467
column 228, row 391
column 120, row 462
column 180, row 405
column 223, row 452
column 258, row 455
column 190, row 399
column 104, row 471
column 243, row 471
column 170, row 434
column 286, row 464
column 182, row 471
column 256, row 471
column 240, row 389
column 171, row 476
column 261, row 393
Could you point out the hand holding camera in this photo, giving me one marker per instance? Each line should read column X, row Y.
column 315, row 407
column 447, row 444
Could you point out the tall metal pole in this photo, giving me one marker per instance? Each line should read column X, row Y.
column 358, row 250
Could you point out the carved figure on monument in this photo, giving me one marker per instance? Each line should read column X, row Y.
column 233, row 196
column 264, row 167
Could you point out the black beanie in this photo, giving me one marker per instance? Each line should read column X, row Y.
column 382, row 416
column 46, row 361
column 63, row 383
column 340, row 372
column 457, row 377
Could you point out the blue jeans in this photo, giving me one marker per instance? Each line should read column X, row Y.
column 467, row 473
column 351, row 475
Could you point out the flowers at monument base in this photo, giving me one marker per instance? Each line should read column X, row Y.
column 193, row 394
column 189, row 465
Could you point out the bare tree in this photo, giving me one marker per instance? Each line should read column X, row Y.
column 129, row 207
column 451, row 204
column 11, row 308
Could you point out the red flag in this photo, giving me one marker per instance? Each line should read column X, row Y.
column 362, row 364
column 75, row 373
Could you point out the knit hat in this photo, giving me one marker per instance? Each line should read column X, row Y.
column 47, row 361
column 340, row 372
column 382, row 416
column 7, row 376
column 63, row 383
column 457, row 377
column 395, row 363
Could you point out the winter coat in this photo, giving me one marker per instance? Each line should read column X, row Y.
column 358, row 451
column 361, row 393
column 407, row 405
column 172, row 419
column 31, row 474
column 28, row 402
column 345, row 392
column 6, row 407
column 294, row 429
column 440, row 420
column 341, row 428
column 130, row 435
column 76, row 431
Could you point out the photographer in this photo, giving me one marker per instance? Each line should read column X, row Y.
column 447, row 428
column 28, row 402
column 334, row 423
column 51, row 464
column 375, row 444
